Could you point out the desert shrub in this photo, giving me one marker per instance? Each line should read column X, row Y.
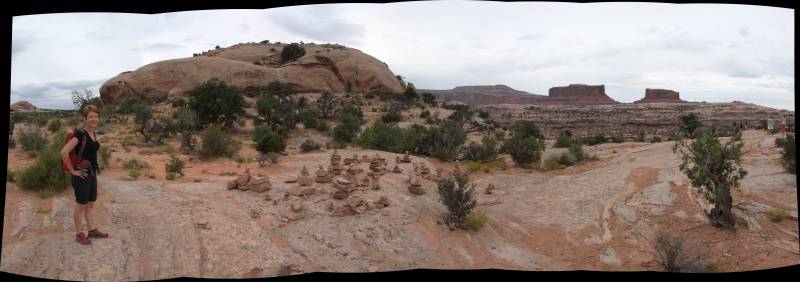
column 484, row 152
column 216, row 102
column 31, row 140
column 475, row 221
column 135, row 164
column 348, row 128
column 10, row 175
column 789, row 154
column 385, row 137
column 104, row 157
column 311, row 121
column 54, row 125
column 524, row 150
column 134, row 173
column 309, row 145
column 292, row 52
column 656, row 139
column 617, row 138
column 392, row 117
column 689, row 123
column 175, row 165
column 674, row 255
column 45, row 176
column 564, row 140
column 526, row 129
column 179, row 103
column 217, row 143
column 473, row 166
column 498, row 163
column 576, row 149
column 459, row 197
column 776, row 215
column 425, row 114
column 428, row 98
column 186, row 122
column 170, row 176
column 599, row 138
column 40, row 120
column 269, row 140
column 11, row 143
column 780, row 142
column 715, row 167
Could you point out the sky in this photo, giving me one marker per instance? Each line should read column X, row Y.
column 707, row 52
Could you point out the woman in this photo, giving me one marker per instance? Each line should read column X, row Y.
column 84, row 181
column 783, row 125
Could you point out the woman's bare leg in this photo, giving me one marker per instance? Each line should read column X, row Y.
column 79, row 210
column 88, row 213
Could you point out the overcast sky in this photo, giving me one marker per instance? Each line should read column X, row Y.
column 709, row 52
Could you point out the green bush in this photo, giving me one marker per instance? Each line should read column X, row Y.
column 689, row 123
column 429, row 98
column 32, row 140
column 45, row 175
column 269, row 140
column 789, row 157
column 475, row 220
column 656, row 139
column 104, row 157
column 485, row 152
column 552, row 162
column 567, row 159
column 498, row 163
column 385, row 137
column 309, row 145
column 175, row 165
column 10, row 175
column 776, row 215
column 425, row 114
column 216, row 102
column 392, row 117
column 135, row 164
column 599, row 138
column 311, row 121
column 54, row 125
column 473, row 166
column 564, row 140
column 217, row 143
column 134, row 173
column 41, row 120
column 458, row 197
column 576, row 149
column 347, row 129
column 524, row 150
column 292, row 52
column 170, row 176
column 780, row 142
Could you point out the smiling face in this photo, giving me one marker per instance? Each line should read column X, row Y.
column 92, row 119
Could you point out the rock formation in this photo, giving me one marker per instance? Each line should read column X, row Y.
column 23, row 106
column 484, row 95
column 660, row 96
column 577, row 94
column 304, row 179
column 242, row 65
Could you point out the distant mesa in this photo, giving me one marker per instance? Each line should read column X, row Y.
column 483, row 95
column 324, row 67
column 23, row 106
column 660, row 96
column 578, row 94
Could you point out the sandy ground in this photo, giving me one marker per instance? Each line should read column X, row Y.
column 598, row 215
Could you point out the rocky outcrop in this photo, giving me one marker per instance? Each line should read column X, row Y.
column 577, row 94
column 23, row 106
column 660, row 96
column 323, row 68
column 484, row 95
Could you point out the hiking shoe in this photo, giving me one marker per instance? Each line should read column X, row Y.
column 81, row 238
column 94, row 233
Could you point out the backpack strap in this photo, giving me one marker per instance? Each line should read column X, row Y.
column 83, row 145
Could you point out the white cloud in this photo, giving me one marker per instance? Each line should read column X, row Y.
column 690, row 48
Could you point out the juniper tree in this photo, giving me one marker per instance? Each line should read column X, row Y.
column 714, row 167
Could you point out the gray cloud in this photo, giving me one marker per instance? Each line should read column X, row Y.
column 744, row 31
column 53, row 94
column 20, row 42
column 320, row 24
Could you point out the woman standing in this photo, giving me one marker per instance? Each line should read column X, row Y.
column 84, row 180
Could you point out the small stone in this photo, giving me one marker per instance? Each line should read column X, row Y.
column 231, row 185
column 291, row 179
column 197, row 179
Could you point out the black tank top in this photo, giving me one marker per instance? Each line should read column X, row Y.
column 90, row 153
